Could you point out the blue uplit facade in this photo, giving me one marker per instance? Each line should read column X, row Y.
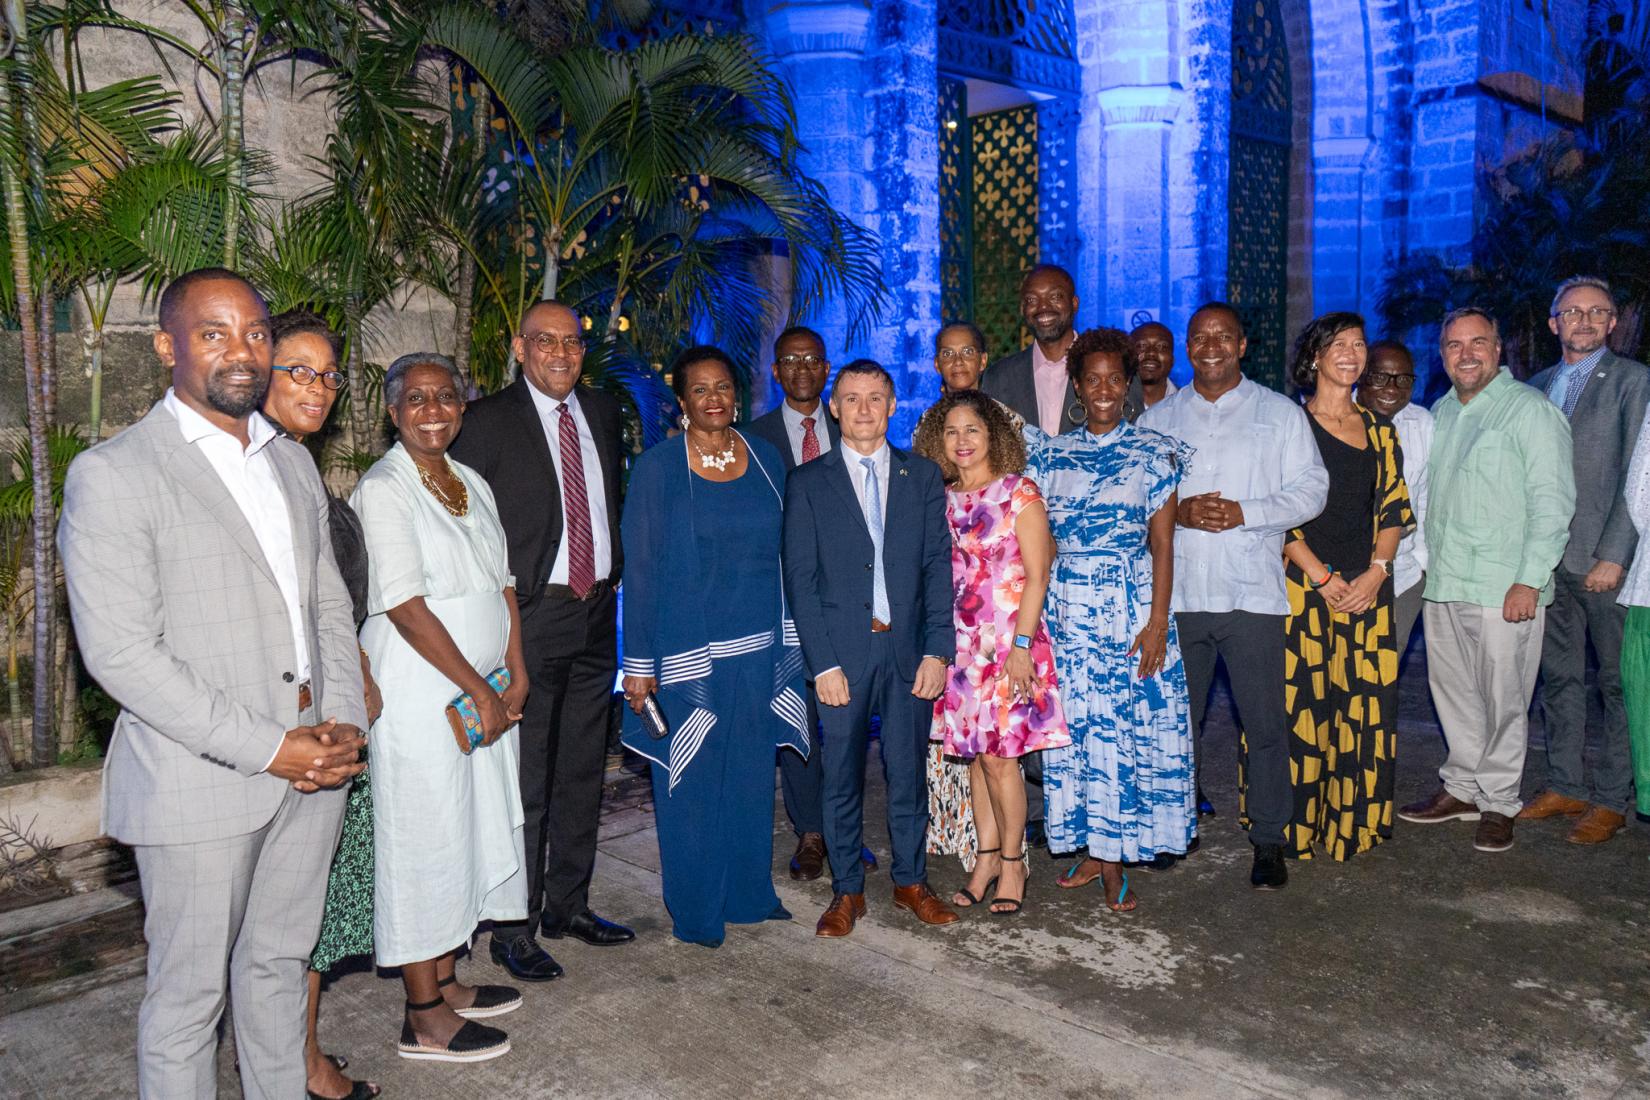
column 1275, row 152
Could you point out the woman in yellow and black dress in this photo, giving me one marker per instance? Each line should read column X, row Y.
column 1341, row 664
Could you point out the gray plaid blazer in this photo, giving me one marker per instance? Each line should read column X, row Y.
column 178, row 616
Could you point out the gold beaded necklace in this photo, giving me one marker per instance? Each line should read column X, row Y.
column 456, row 510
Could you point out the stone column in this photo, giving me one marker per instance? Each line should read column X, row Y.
column 1138, row 120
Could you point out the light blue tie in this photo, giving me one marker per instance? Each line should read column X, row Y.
column 873, row 520
column 1572, row 392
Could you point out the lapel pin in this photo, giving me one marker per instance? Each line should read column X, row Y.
column 902, row 471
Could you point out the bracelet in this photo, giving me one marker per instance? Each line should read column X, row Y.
column 1317, row 584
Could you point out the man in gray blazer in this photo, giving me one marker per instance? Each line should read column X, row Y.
column 1604, row 397
column 207, row 602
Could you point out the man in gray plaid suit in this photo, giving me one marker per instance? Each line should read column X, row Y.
column 207, row 602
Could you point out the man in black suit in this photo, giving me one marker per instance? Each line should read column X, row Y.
column 801, row 429
column 552, row 452
column 868, row 578
column 1033, row 381
column 1604, row 396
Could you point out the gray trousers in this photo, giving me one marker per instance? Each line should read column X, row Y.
column 1252, row 647
column 1406, row 608
column 1575, row 616
column 241, row 912
column 1482, row 672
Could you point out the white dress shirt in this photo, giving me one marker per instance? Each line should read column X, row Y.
column 1414, row 426
column 1255, row 447
column 249, row 475
column 794, row 431
column 594, row 487
column 883, row 460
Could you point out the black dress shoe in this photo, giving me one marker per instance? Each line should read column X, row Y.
column 1269, row 872
column 869, row 858
column 1205, row 808
column 525, row 959
column 1036, row 835
column 1163, row 861
column 590, row 928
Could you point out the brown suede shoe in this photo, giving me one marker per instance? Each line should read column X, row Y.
column 1596, row 826
column 809, row 861
column 1442, row 806
column 1494, row 833
column 839, row 918
column 921, row 900
column 1551, row 804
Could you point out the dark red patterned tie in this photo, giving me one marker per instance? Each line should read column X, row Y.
column 810, row 441
column 581, row 547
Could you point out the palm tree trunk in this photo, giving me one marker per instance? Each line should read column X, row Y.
column 552, row 264
column 360, row 417
column 465, row 292
column 234, row 47
column 17, row 227
column 94, row 344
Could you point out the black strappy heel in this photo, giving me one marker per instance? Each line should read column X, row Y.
column 963, row 889
column 1019, row 902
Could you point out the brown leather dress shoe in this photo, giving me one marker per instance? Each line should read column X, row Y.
column 1596, row 826
column 809, row 861
column 840, row 916
column 1495, row 833
column 921, row 900
column 1442, row 806
column 1551, row 804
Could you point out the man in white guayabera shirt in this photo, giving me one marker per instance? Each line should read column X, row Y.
column 1255, row 474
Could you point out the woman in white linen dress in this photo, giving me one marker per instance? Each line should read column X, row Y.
column 441, row 617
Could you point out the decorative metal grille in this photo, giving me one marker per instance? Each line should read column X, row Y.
column 956, row 204
column 1028, row 43
column 1257, row 227
column 1005, row 178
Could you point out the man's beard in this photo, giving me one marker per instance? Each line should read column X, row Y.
column 233, row 401
column 1056, row 331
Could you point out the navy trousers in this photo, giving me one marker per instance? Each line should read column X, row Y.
column 880, row 690
column 716, row 827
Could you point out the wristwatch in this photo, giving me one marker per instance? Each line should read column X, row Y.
column 1383, row 564
column 1022, row 641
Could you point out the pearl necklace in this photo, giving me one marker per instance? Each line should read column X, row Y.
column 440, row 493
column 718, row 462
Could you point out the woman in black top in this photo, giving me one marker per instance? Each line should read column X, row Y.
column 1342, row 665
column 302, row 389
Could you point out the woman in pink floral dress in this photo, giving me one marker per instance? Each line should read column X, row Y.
column 1001, row 699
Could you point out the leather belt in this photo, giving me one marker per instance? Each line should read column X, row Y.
column 565, row 592
column 878, row 626
column 305, row 699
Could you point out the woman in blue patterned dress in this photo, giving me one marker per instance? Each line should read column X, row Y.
column 1123, row 790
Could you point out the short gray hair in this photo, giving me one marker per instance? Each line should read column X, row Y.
column 395, row 379
column 1575, row 282
column 1464, row 312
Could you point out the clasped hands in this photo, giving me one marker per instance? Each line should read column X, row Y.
column 324, row 755
column 1355, row 596
column 1209, row 512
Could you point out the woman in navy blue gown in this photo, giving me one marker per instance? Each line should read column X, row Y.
column 706, row 633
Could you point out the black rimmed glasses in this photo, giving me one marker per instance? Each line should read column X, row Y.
column 548, row 342
column 1597, row 314
column 1381, row 378
column 331, row 379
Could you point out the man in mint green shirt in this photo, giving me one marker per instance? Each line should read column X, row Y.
column 1498, row 518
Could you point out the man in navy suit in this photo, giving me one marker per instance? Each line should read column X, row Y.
column 868, row 577
column 801, row 429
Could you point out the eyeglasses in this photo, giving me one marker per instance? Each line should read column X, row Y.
column 969, row 353
column 331, row 379
column 549, row 341
column 793, row 362
column 1595, row 314
column 1380, row 378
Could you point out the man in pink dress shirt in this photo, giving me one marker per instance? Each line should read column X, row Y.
column 1033, row 381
